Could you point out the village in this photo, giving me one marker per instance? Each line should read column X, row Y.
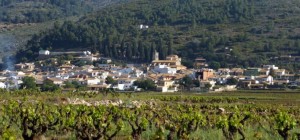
column 161, row 75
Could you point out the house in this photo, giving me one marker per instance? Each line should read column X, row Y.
column 126, row 70
column 207, row 84
column 281, row 82
column 204, row 74
column 92, row 81
column 56, row 81
column 257, row 86
column 66, row 67
column 94, row 73
column 137, row 73
column 265, row 79
column 2, row 85
column 223, row 71
column 252, row 72
column 246, row 84
column 125, row 84
column 164, row 69
column 105, row 66
column 264, row 71
column 236, row 71
column 25, row 66
column 80, row 79
column 225, row 88
column 87, row 58
column 98, row 87
column 39, row 79
column 291, row 77
column 280, row 72
column 87, row 68
column 200, row 63
column 221, row 79
column 105, row 60
column 166, row 84
column 103, row 75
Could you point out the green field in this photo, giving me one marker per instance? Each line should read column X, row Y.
column 150, row 115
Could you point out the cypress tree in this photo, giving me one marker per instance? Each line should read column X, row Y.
column 147, row 54
column 170, row 47
column 152, row 51
column 114, row 52
column 122, row 49
column 106, row 51
column 141, row 53
column 129, row 53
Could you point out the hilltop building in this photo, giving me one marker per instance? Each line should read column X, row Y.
column 44, row 52
column 200, row 63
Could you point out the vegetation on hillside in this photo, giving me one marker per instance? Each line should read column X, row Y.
column 227, row 33
column 24, row 11
column 21, row 19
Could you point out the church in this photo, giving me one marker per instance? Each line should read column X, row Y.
column 172, row 61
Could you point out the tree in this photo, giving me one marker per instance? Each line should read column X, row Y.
column 114, row 51
column 214, row 65
column 272, row 72
column 28, row 83
column 145, row 84
column 49, row 86
column 208, row 86
column 69, row 84
column 187, row 82
column 170, row 46
column 161, row 50
column 152, row 51
column 110, row 80
column 142, row 52
column 147, row 54
column 129, row 52
column 232, row 81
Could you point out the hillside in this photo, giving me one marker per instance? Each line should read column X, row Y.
column 227, row 33
column 21, row 19
column 33, row 11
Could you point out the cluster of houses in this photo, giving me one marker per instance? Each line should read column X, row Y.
column 166, row 74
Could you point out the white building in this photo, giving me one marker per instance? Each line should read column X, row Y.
column 270, row 67
column 125, row 84
column 267, row 79
column 93, row 81
column 164, row 69
column 280, row 72
column 44, row 52
column 143, row 26
column 2, row 85
column 204, row 84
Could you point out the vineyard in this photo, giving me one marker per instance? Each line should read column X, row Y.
column 33, row 115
